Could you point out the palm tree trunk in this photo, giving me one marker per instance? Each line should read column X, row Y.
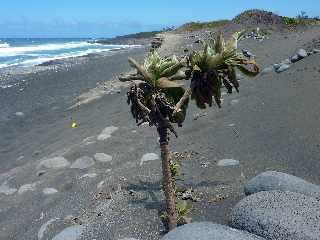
column 168, row 187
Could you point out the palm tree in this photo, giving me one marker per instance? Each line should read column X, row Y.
column 161, row 100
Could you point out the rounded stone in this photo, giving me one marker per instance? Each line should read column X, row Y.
column 208, row 231
column 55, row 162
column 228, row 162
column 282, row 68
column 19, row 114
column 271, row 180
column 278, row 215
column 149, row 157
column 49, row 191
column 106, row 133
column 302, row 53
column 102, row 157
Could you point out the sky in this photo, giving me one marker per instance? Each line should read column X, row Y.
column 108, row 18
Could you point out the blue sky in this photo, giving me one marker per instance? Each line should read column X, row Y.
column 105, row 18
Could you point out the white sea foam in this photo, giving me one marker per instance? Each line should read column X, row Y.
column 39, row 54
column 13, row 51
column 4, row 45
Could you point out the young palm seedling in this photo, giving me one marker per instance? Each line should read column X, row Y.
column 160, row 99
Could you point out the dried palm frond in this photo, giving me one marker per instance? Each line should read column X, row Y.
column 155, row 99
column 215, row 65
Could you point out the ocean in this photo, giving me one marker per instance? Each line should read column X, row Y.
column 25, row 52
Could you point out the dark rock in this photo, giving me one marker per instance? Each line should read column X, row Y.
column 208, row 231
column 278, row 215
column 270, row 180
column 247, row 53
column 302, row 53
column 294, row 58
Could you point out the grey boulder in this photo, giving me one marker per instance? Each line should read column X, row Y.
column 278, row 215
column 208, row 231
column 271, row 180
column 300, row 54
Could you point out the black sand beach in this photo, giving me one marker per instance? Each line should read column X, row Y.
column 45, row 190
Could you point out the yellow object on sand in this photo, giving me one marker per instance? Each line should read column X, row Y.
column 74, row 125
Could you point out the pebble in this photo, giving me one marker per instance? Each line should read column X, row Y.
column 27, row 187
column 70, row 233
column 102, row 157
column 278, row 215
column 234, row 101
column 208, row 231
column 83, row 163
column 19, row 114
column 44, row 227
column 271, row 180
column 148, row 157
column 266, row 70
column 106, row 133
column 55, row 162
column 49, row 191
column 228, row 162
column 282, row 68
column 5, row 189
column 89, row 175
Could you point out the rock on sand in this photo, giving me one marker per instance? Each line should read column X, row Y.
column 208, row 231
column 106, row 133
column 55, row 162
column 271, row 180
column 102, row 157
column 278, row 215
column 83, row 163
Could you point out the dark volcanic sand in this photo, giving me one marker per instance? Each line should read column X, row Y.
column 273, row 124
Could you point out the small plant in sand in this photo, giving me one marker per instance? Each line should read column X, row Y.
column 161, row 99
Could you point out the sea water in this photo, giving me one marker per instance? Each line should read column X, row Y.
column 25, row 52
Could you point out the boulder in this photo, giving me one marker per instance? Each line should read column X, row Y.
column 208, row 231
column 278, row 215
column 300, row 54
column 271, row 180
